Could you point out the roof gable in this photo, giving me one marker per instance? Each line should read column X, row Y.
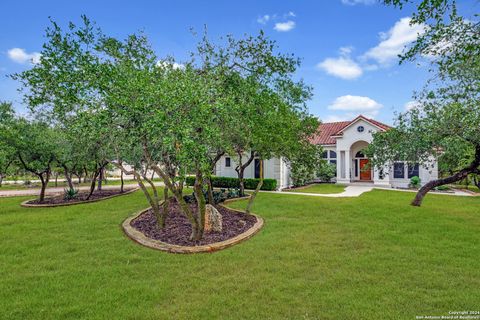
column 375, row 123
column 327, row 132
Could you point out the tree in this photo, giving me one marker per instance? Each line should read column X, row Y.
column 7, row 152
column 35, row 148
column 305, row 164
column 446, row 121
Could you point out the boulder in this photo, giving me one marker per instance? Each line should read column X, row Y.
column 213, row 219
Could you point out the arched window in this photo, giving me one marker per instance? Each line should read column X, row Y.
column 359, row 154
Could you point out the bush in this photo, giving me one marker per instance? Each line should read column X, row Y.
column 218, row 196
column 442, row 188
column 69, row 194
column 327, row 171
column 228, row 182
column 415, row 182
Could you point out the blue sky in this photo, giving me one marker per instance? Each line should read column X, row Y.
column 348, row 47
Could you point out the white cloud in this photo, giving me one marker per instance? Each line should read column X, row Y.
column 284, row 26
column 410, row 105
column 354, row 2
column 264, row 19
column 341, row 67
column 394, row 41
column 356, row 104
column 19, row 55
column 174, row 65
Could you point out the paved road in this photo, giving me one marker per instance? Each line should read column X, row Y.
column 36, row 191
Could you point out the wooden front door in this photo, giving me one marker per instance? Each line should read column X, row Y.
column 365, row 170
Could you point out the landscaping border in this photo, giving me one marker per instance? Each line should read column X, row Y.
column 46, row 205
column 140, row 238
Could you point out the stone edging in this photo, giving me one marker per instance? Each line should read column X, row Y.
column 140, row 238
column 26, row 203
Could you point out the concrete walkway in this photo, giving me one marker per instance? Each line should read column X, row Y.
column 350, row 191
column 356, row 191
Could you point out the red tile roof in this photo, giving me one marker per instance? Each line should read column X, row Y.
column 327, row 131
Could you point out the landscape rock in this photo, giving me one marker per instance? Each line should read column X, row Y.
column 213, row 219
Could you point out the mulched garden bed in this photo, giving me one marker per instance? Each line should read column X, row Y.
column 81, row 196
column 178, row 229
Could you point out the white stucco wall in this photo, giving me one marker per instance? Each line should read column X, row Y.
column 274, row 168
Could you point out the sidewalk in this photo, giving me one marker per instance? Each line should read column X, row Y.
column 356, row 191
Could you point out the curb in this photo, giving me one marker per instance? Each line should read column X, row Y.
column 140, row 238
column 26, row 203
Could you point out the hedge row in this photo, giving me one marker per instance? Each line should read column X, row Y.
column 227, row 182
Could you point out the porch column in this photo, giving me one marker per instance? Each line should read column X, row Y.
column 348, row 164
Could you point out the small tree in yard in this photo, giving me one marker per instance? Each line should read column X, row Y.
column 245, row 70
column 305, row 164
column 35, row 149
column 7, row 151
column 446, row 121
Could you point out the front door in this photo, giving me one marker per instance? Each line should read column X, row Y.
column 365, row 170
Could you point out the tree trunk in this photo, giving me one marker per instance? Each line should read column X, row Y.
column 121, row 181
column 439, row 182
column 462, row 174
column 56, row 180
column 68, row 176
column 155, row 203
column 210, row 191
column 1, row 180
column 177, row 192
column 257, row 189
column 241, row 170
column 92, row 184
column 100, row 179
column 166, row 202
column 44, row 181
column 197, row 231
column 86, row 175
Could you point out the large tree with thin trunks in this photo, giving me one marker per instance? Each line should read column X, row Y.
column 445, row 122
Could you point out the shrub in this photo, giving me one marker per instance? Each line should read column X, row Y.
column 442, row 188
column 415, row 182
column 69, row 194
column 229, row 182
column 218, row 196
column 327, row 171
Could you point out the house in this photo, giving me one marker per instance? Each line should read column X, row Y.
column 343, row 143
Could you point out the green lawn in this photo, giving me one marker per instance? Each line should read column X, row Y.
column 372, row 257
column 322, row 188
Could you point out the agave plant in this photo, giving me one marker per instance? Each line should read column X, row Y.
column 69, row 194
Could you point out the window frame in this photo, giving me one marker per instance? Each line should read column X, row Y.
column 228, row 162
column 416, row 168
column 402, row 165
